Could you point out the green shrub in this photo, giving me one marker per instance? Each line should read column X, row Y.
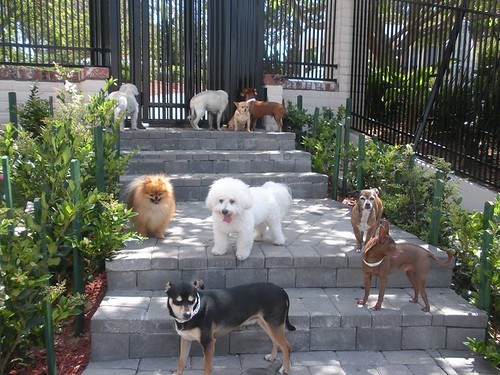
column 407, row 184
column 40, row 168
column 32, row 114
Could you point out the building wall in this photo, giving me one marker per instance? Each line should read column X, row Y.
column 21, row 80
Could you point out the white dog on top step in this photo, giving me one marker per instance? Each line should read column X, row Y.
column 126, row 104
column 215, row 102
column 238, row 208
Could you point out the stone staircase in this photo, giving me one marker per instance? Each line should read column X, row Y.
column 318, row 265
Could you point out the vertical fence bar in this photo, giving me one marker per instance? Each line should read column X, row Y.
column 347, row 135
column 51, row 106
column 13, row 108
column 485, row 269
column 361, row 158
column 299, row 102
column 99, row 158
column 49, row 325
column 314, row 132
column 336, row 162
column 7, row 189
column 77, row 259
column 436, row 210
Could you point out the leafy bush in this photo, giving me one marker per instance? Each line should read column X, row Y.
column 33, row 113
column 40, row 168
column 406, row 183
column 24, row 274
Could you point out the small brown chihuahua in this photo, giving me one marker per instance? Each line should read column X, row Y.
column 381, row 256
column 241, row 117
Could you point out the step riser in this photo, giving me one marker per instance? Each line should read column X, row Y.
column 165, row 139
column 121, row 346
column 195, row 187
column 251, row 162
column 286, row 277
column 326, row 319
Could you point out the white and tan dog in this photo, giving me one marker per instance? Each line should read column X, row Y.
column 366, row 215
column 215, row 102
column 126, row 105
column 246, row 211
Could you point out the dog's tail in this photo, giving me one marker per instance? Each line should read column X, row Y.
column 288, row 325
column 282, row 194
column 442, row 262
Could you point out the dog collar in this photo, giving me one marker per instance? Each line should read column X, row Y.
column 372, row 264
column 195, row 311
column 250, row 100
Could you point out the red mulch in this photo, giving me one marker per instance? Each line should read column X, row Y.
column 72, row 353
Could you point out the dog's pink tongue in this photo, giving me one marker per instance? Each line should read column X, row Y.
column 227, row 218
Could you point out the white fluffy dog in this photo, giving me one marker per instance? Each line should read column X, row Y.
column 238, row 208
column 215, row 102
column 126, row 104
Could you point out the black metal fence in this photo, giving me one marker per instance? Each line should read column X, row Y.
column 39, row 33
column 432, row 67
column 299, row 38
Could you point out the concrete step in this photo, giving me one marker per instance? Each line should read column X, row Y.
column 137, row 324
column 215, row 161
column 319, row 252
column 159, row 139
column 195, row 186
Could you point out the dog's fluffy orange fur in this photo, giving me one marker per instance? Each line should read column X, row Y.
column 152, row 198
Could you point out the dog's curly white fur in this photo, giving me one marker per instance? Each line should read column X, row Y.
column 126, row 104
column 238, row 208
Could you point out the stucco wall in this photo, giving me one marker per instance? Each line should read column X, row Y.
column 20, row 80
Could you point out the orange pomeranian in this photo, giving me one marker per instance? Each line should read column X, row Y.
column 152, row 197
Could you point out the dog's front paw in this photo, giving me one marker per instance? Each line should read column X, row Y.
column 282, row 370
column 361, row 302
column 218, row 251
column 269, row 357
column 242, row 256
column 279, row 242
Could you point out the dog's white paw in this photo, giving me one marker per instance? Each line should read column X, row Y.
column 282, row 370
column 279, row 242
column 269, row 357
column 218, row 251
column 242, row 255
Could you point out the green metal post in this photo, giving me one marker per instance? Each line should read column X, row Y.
column 314, row 131
column 436, row 211
column 361, row 157
column 48, row 328
column 99, row 158
column 7, row 189
column 51, row 106
column 347, row 135
column 486, row 246
column 299, row 102
column 336, row 162
column 77, row 259
column 13, row 109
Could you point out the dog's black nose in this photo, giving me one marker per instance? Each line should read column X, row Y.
column 186, row 314
column 224, row 211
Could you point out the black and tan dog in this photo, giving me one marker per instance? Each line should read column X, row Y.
column 203, row 316
column 366, row 215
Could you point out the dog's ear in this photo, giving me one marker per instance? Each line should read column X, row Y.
column 255, row 92
column 384, row 229
column 377, row 191
column 355, row 194
column 199, row 284
column 236, row 104
column 168, row 286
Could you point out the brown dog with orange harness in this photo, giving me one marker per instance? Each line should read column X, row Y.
column 259, row 108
